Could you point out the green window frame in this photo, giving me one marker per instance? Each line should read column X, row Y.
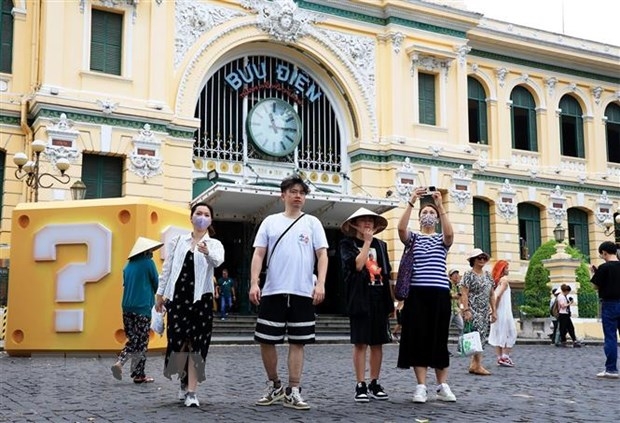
column 482, row 225
column 529, row 229
column 106, row 42
column 6, row 37
column 102, row 175
column 477, row 112
column 426, row 98
column 578, row 232
column 612, row 132
column 571, row 128
column 523, row 120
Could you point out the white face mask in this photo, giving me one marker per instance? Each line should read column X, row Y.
column 428, row 220
column 201, row 222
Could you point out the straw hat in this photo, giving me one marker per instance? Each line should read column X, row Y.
column 380, row 222
column 477, row 252
column 144, row 244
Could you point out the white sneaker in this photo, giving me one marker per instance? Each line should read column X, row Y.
column 191, row 400
column 608, row 375
column 419, row 396
column 444, row 393
column 293, row 399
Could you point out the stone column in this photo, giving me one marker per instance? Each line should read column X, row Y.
column 562, row 268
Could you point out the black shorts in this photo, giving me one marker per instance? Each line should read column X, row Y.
column 284, row 314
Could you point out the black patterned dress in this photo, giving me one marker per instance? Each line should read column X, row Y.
column 479, row 297
column 189, row 325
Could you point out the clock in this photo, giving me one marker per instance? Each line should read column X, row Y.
column 274, row 127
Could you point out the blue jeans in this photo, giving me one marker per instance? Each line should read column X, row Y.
column 225, row 304
column 610, row 317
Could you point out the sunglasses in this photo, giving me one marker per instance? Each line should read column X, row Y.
column 485, row 258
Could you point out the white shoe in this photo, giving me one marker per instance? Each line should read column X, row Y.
column 444, row 393
column 419, row 396
column 181, row 394
column 294, row 400
column 608, row 375
column 191, row 400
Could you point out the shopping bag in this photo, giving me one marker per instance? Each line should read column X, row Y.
column 469, row 343
column 157, row 321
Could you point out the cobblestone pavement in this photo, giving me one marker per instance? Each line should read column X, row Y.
column 548, row 384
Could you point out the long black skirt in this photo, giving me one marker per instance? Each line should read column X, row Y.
column 425, row 325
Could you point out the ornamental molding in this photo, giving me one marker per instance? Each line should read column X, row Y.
column 501, row 75
column 145, row 160
column 283, row 20
column 430, row 63
column 550, row 83
column 604, row 209
column 596, row 93
column 62, row 140
column 396, row 38
column 356, row 53
column 194, row 19
column 107, row 106
column 506, row 204
column 461, row 54
column 110, row 4
column 460, row 190
column 405, row 179
column 557, row 205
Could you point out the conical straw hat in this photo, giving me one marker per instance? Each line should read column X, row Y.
column 144, row 244
column 380, row 221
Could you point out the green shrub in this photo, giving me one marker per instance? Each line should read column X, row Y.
column 536, row 292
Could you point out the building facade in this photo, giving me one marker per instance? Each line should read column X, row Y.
column 218, row 100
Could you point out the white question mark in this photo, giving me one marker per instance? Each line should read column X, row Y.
column 72, row 277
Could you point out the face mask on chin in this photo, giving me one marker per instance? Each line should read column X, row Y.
column 201, row 222
column 428, row 220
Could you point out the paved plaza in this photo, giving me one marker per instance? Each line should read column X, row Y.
column 548, row 384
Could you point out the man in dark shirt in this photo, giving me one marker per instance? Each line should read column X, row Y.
column 606, row 278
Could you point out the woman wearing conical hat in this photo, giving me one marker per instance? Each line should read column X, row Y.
column 140, row 280
column 366, row 268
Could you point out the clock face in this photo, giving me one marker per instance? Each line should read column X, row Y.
column 274, row 126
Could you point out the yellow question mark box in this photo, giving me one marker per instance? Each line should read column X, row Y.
column 66, row 271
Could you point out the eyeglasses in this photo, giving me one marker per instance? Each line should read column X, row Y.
column 484, row 258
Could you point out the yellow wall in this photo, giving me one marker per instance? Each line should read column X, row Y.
column 67, row 260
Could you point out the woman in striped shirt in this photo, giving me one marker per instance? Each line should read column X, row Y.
column 426, row 313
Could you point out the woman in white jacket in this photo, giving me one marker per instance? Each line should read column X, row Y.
column 186, row 291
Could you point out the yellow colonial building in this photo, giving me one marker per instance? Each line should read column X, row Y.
column 218, row 100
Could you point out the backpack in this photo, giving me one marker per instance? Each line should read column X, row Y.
column 554, row 310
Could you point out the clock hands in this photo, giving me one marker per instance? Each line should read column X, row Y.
column 273, row 123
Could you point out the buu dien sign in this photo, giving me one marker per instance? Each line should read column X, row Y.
column 283, row 73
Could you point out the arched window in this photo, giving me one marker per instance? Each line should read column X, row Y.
column 529, row 229
column 477, row 112
column 482, row 225
column 222, row 111
column 6, row 36
column 612, row 129
column 578, row 236
column 571, row 128
column 523, row 120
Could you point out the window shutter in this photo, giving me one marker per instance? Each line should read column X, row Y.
column 533, row 137
column 482, row 225
column 6, row 37
column 426, row 99
column 106, row 42
column 102, row 175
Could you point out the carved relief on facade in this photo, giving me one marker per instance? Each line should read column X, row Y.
column 507, row 201
column 557, row 205
column 460, row 191
column 61, row 141
column 145, row 160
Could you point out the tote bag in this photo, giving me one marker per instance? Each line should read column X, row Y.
column 405, row 271
column 469, row 342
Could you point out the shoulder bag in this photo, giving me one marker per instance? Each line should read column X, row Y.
column 263, row 274
column 405, row 271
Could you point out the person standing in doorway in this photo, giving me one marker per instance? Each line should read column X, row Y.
column 456, row 317
column 606, row 279
column 140, row 280
column 293, row 242
column 366, row 268
column 225, row 291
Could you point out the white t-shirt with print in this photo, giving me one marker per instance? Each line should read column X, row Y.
column 291, row 268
